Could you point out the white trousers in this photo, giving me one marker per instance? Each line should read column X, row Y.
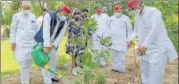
column 152, row 70
column 118, row 60
column 25, row 70
column 100, row 60
column 52, row 63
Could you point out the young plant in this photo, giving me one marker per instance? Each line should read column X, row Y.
column 99, row 78
column 88, row 66
column 104, row 51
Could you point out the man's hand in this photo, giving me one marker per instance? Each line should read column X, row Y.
column 13, row 46
column 130, row 43
column 53, row 47
column 47, row 50
column 141, row 50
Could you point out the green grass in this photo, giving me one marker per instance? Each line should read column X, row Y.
column 10, row 66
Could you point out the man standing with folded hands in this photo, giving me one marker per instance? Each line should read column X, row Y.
column 120, row 29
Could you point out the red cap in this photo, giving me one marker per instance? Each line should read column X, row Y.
column 99, row 11
column 131, row 3
column 65, row 9
column 117, row 8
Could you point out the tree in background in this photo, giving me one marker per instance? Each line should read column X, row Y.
column 168, row 9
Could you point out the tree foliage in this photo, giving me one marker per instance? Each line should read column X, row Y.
column 168, row 9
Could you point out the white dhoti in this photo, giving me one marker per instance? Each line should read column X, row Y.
column 24, row 71
column 118, row 60
column 52, row 63
column 153, row 67
column 23, row 56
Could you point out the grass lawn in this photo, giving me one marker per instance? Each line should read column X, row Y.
column 9, row 65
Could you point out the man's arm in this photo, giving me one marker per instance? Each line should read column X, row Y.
column 60, row 36
column 46, row 30
column 155, row 21
column 13, row 29
column 132, row 36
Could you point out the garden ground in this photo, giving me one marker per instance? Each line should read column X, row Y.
column 12, row 76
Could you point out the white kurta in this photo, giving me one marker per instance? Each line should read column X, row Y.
column 120, row 31
column 22, row 32
column 49, row 41
column 150, row 30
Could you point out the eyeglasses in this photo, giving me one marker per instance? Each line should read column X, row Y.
column 133, row 8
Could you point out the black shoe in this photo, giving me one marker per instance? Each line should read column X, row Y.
column 55, row 80
column 116, row 71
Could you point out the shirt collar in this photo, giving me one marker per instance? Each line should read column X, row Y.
column 143, row 11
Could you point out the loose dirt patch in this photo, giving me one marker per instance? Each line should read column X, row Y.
column 171, row 74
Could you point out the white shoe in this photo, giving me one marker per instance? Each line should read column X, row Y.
column 74, row 72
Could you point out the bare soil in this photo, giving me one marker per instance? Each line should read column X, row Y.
column 171, row 74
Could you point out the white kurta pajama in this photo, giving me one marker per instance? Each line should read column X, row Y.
column 102, row 28
column 150, row 30
column 49, row 41
column 120, row 29
column 22, row 32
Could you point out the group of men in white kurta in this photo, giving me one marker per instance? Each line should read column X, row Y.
column 154, row 45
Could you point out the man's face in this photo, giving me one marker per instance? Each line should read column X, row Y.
column 62, row 13
column 99, row 11
column 136, row 7
column 26, row 5
column 120, row 11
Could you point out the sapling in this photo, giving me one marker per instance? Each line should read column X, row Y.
column 84, row 60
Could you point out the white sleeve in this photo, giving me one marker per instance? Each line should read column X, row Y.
column 46, row 30
column 129, row 28
column 60, row 36
column 13, row 29
column 155, row 20
column 134, row 34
